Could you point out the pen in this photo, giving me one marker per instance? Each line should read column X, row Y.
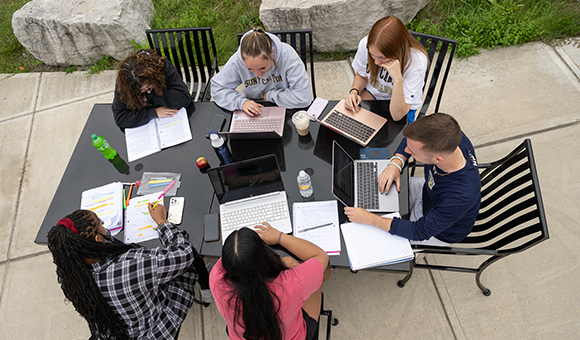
column 163, row 193
column 129, row 196
column 316, row 227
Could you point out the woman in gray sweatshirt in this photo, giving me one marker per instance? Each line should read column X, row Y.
column 268, row 69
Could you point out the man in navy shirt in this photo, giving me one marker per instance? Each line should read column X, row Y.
column 445, row 207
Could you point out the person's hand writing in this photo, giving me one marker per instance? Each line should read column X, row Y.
column 252, row 108
column 267, row 233
column 352, row 101
column 359, row 215
column 159, row 214
column 163, row 112
column 393, row 66
column 387, row 177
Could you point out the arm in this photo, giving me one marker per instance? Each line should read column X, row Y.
column 223, row 86
column 299, row 92
column 126, row 118
column 359, row 215
column 353, row 98
column 398, row 106
column 303, row 249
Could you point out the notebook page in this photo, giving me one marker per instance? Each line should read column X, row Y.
column 138, row 222
column 142, row 141
column 173, row 130
column 107, row 202
column 310, row 214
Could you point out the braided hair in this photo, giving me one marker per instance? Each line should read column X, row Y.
column 70, row 245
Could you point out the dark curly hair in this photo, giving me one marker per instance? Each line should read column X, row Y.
column 143, row 67
column 68, row 252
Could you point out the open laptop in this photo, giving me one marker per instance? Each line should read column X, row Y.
column 268, row 124
column 250, row 192
column 354, row 182
column 360, row 126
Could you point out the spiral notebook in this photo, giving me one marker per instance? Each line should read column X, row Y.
column 369, row 246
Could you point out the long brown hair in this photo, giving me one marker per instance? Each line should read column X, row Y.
column 390, row 36
column 257, row 44
column 140, row 68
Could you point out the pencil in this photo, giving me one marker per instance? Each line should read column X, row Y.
column 316, row 227
column 163, row 193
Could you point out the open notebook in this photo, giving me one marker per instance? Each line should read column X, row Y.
column 369, row 246
column 107, row 202
column 159, row 133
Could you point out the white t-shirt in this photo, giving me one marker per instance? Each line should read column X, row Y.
column 382, row 87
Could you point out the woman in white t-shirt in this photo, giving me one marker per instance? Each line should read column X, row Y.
column 396, row 71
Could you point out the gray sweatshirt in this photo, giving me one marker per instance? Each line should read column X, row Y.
column 287, row 85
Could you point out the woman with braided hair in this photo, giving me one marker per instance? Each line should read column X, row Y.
column 125, row 291
column 148, row 87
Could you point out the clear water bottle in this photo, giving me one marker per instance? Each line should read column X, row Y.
column 103, row 146
column 304, row 184
column 221, row 149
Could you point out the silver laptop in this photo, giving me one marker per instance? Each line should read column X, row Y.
column 360, row 126
column 268, row 124
column 250, row 192
column 354, row 182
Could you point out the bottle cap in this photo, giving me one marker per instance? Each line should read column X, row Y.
column 94, row 136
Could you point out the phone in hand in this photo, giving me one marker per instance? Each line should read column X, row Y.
column 211, row 224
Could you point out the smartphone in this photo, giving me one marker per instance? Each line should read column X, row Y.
column 175, row 213
column 216, row 124
column 211, row 223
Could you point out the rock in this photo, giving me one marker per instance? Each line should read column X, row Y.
column 335, row 24
column 78, row 32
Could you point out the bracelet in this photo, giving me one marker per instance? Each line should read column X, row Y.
column 354, row 88
column 399, row 158
column 395, row 164
column 162, row 222
column 280, row 236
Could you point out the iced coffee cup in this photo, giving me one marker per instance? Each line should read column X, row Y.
column 301, row 120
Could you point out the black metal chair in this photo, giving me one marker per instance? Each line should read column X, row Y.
column 511, row 216
column 330, row 320
column 301, row 40
column 192, row 51
column 447, row 48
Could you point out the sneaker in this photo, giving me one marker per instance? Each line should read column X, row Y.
column 206, row 295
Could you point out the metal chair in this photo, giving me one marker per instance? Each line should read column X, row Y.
column 446, row 47
column 192, row 51
column 330, row 320
column 301, row 40
column 511, row 216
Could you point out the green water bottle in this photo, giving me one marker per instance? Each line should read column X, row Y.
column 101, row 144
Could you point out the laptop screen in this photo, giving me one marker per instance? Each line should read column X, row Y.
column 248, row 178
column 342, row 175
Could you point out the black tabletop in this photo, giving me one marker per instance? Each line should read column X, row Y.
column 88, row 169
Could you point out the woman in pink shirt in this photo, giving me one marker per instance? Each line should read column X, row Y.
column 263, row 296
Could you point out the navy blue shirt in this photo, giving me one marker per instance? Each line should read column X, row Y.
column 450, row 201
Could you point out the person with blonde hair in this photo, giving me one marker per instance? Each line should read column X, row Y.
column 148, row 86
column 390, row 65
column 268, row 69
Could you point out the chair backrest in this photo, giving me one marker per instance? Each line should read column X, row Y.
column 511, row 216
column 446, row 50
column 301, row 41
column 192, row 51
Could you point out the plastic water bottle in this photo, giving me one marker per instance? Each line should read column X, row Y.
column 304, row 184
column 221, row 149
column 103, row 146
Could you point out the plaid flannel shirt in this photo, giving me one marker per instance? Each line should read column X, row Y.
column 151, row 289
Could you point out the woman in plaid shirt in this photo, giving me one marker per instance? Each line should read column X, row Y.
column 125, row 291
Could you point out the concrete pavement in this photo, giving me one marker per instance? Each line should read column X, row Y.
column 499, row 97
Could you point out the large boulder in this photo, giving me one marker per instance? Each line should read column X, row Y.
column 335, row 23
column 78, row 32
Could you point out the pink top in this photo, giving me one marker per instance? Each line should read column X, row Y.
column 292, row 286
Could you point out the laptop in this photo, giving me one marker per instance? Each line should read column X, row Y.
column 250, row 192
column 354, row 182
column 269, row 124
column 360, row 126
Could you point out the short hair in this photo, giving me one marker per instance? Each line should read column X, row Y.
column 438, row 132
column 257, row 44
column 390, row 36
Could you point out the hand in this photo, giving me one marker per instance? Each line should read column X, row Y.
column 163, row 112
column 159, row 214
column 394, row 68
column 352, row 100
column 267, row 233
column 387, row 177
column 359, row 215
column 252, row 108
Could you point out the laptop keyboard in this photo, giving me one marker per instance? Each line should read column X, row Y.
column 367, row 185
column 254, row 215
column 349, row 125
column 252, row 125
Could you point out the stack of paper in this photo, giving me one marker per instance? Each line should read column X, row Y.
column 159, row 133
column 107, row 202
column 317, row 222
column 369, row 246
column 138, row 222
